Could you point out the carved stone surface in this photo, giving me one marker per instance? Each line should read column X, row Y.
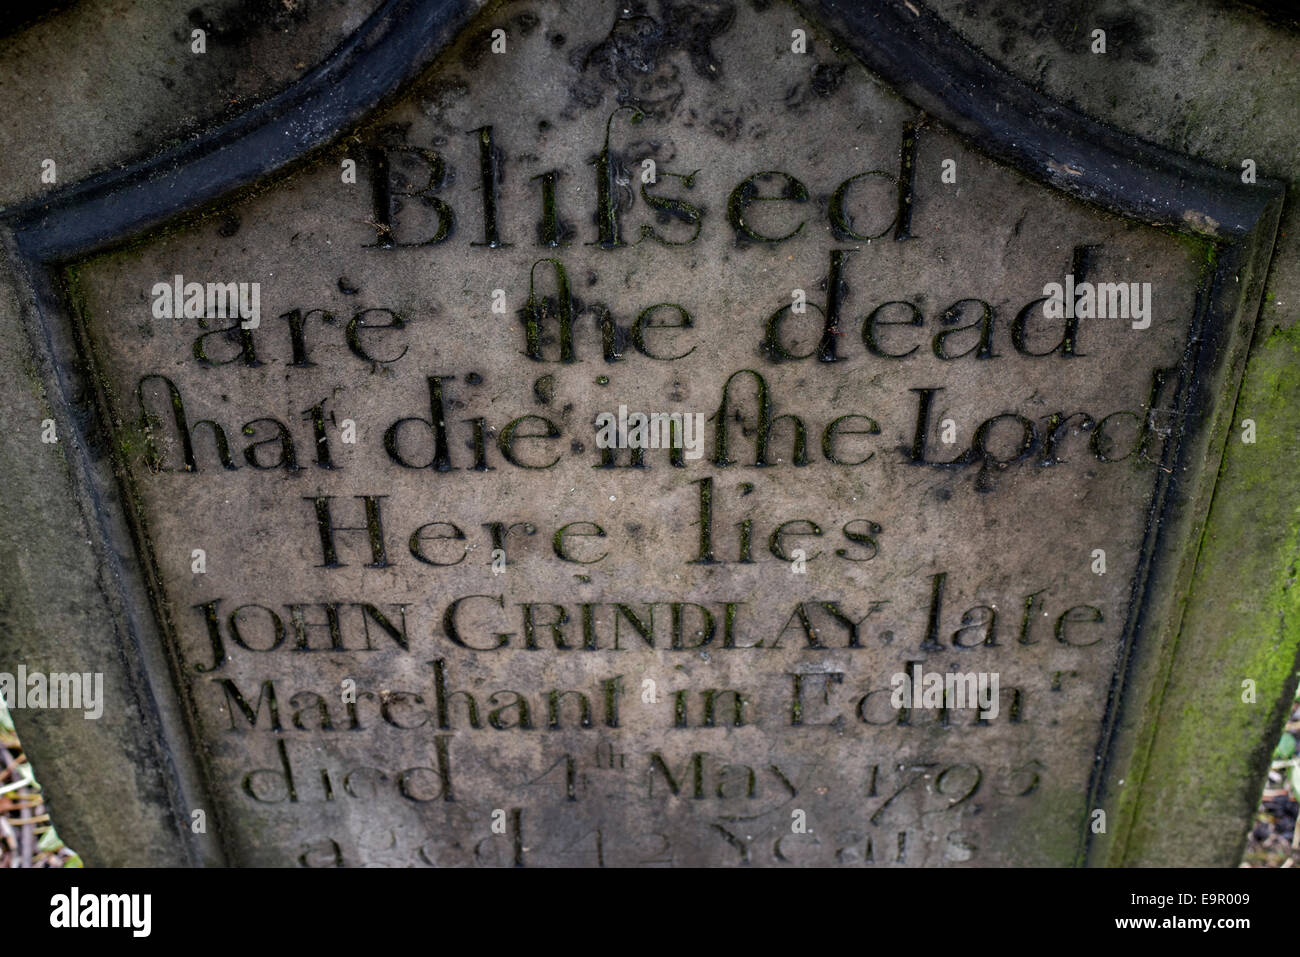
column 413, row 610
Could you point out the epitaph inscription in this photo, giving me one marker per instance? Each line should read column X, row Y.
column 439, row 598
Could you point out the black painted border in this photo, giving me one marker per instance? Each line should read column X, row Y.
column 928, row 63
column 901, row 41
column 364, row 73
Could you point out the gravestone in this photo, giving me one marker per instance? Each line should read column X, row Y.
column 695, row 434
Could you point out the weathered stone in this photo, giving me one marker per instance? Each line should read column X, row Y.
column 475, row 636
